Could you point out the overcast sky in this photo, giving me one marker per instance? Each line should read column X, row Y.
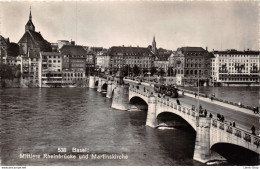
column 218, row 25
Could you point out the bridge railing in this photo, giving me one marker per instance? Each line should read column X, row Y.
column 237, row 132
column 166, row 102
column 182, row 109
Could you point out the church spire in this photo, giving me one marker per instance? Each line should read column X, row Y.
column 154, row 45
column 30, row 17
column 29, row 25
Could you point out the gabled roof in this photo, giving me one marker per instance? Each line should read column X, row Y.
column 139, row 51
column 192, row 49
column 37, row 39
column 4, row 41
column 233, row 51
column 73, row 50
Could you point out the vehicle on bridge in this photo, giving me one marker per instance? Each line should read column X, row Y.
column 170, row 90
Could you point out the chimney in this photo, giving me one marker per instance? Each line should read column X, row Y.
column 206, row 48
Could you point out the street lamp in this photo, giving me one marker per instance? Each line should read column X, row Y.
column 198, row 93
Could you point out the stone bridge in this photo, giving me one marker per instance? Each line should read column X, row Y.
column 209, row 131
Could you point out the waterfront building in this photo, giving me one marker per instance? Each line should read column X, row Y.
column 74, row 64
column 50, row 69
column 235, row 67
column 121, row 56
column 32, row 39
column 191, row 64
column 3, row 48
column 102, row 60
column 30, row 68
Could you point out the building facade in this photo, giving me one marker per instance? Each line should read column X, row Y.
column 74, row 65
column 50, row 69
column 192, row 65
column 235, row 67
column 130, row 56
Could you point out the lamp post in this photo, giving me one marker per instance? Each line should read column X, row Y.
column 198, row 93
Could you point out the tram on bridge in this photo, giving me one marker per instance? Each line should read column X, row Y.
column 170, row 90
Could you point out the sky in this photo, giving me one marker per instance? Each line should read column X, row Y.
column 215, row 24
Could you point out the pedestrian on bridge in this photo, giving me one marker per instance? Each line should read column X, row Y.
column 178, row 102
column 222, row 118
column 234, row 124
column 210, row 115
column 205, row 113
column 218, row 116
column 253, row 130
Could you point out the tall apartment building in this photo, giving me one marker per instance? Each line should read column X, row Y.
column 74, row 64
column 235, row 67
column 50, row 69
column 191, row 65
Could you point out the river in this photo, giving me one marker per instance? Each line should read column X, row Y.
column 39, row 121
column 42, row 120
column 246, row 95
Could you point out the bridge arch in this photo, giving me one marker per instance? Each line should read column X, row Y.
column 104, row 86
column 177, row 115
column 173, row 119
column 132, row 99
column 236, row 154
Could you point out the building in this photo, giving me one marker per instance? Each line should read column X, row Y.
column 161, row 62
column 74, row 64
column 3, row 48
column 61, row 43
column 191, row 65
column 235, row 67
column 50, row 69
column 30, row 68
column 102, row 60
column 154, row 49
column 121, row 56
column 32, row 39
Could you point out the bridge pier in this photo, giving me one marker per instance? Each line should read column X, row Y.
column 109, row 89
column 151, row 113
column 99, row 85
column 120, row 97
column 202, row 152
column 91, row 82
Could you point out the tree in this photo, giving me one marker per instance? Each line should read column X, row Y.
column 161, row 72
column 136, row 70
column 126, row 70
column 153, row 70
column 6, row 72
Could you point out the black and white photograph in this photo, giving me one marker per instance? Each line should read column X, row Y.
column 130, row 83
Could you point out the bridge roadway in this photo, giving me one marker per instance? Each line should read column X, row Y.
column 243, row 119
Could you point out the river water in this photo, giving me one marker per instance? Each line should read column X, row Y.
column 39, row 121
column 246, row 95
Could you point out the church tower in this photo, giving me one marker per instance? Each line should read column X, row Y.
column 154, row 45
column 29, row 25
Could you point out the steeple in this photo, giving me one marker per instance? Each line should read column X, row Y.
column 30, row 17
column 154, row 45
column 29, row 25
